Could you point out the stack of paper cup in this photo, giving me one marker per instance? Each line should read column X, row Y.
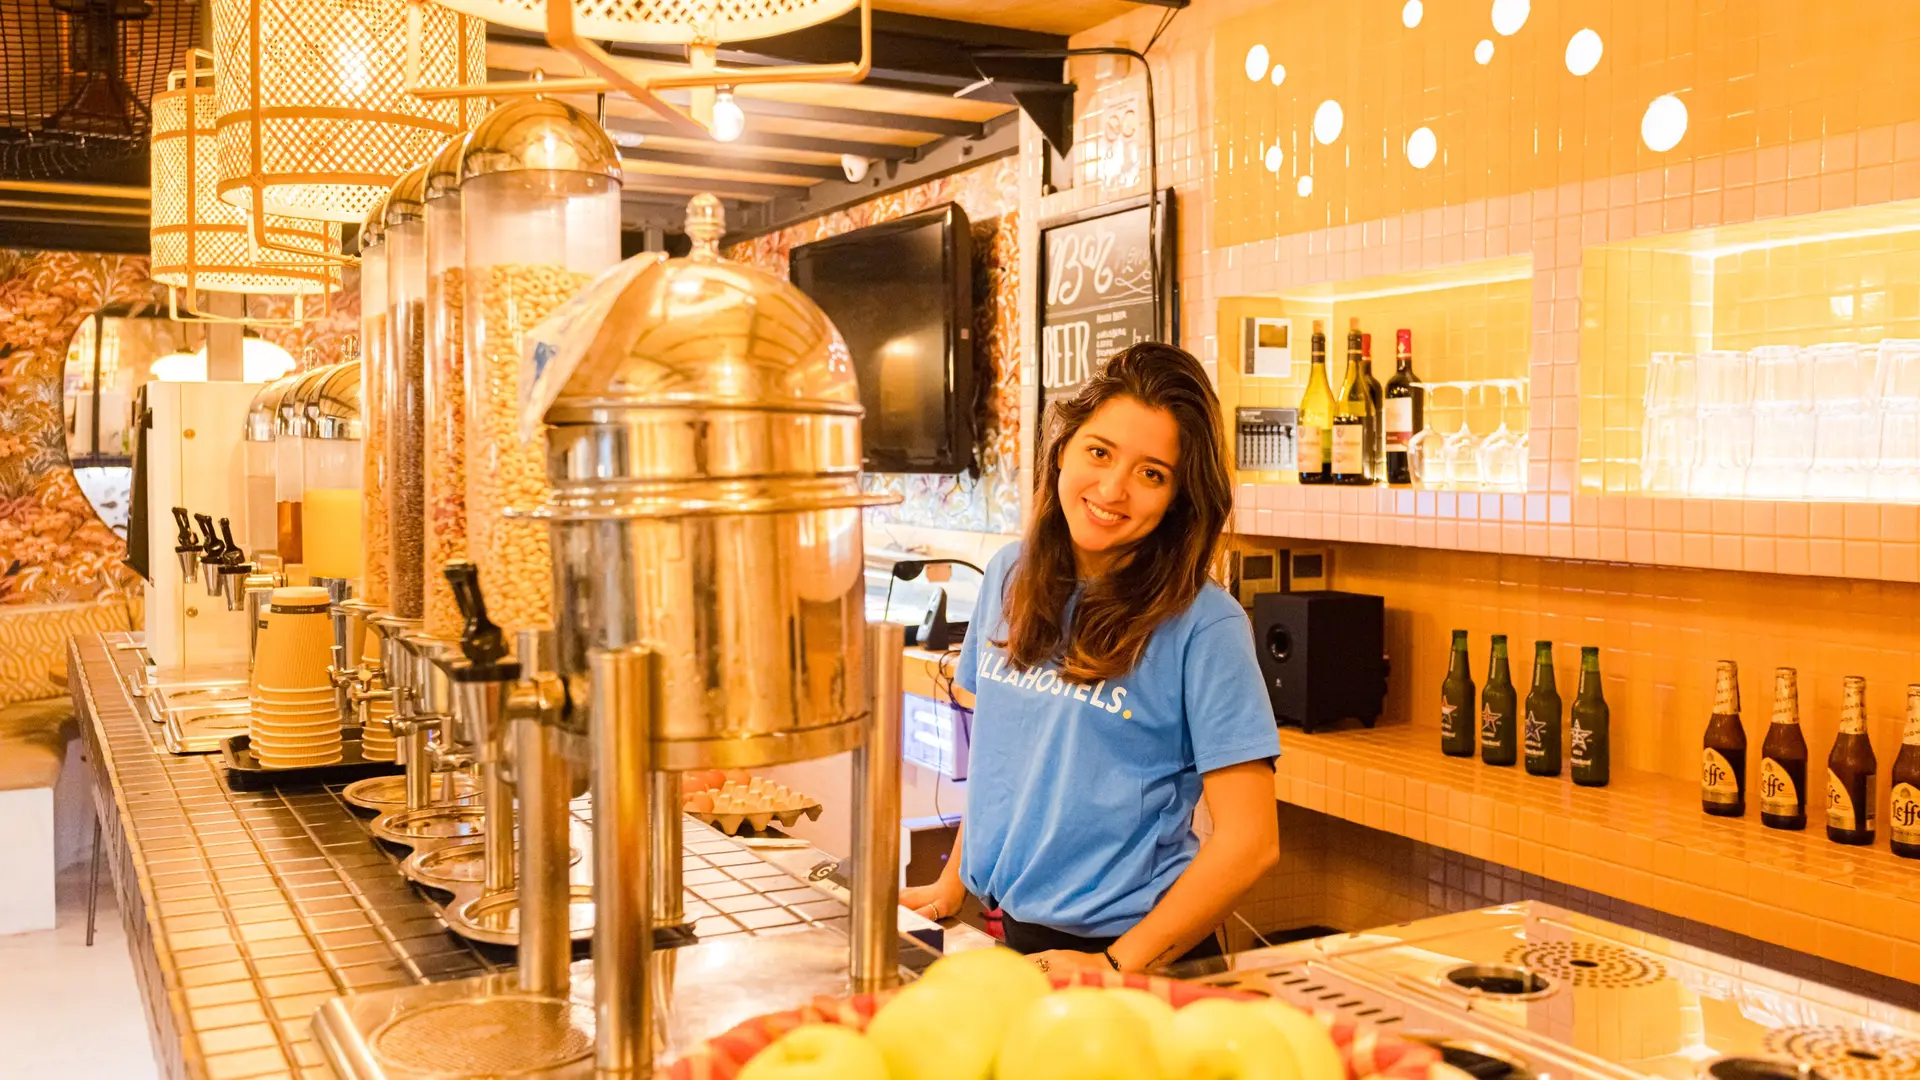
column 296, row 721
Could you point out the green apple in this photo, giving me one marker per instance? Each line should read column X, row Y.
column 1156, row 1016
column 818, row 1052
column 1218, row 1039
column 1313, row 1046
column 940, row 1031
column 1000, row 972
column 1076, row 1034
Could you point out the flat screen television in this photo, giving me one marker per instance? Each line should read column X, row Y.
column 901, row 294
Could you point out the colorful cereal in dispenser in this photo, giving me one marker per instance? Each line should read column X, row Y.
column 406, row 386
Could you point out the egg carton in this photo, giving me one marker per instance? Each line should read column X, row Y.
column 734, row 823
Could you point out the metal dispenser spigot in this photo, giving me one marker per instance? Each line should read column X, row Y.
column 482, row 680
column 235, row 570
column 185, row 547
column 211, row 550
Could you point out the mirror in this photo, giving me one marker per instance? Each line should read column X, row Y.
column 112, row 354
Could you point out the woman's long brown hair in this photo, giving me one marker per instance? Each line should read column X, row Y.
column 1165, row 570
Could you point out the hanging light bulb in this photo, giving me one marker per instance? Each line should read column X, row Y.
column 728, row 120
column 180, row 367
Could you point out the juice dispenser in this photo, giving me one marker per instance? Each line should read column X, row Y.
column 333, row 460
column 540, row 197
column 290, row 470
column 261, row 535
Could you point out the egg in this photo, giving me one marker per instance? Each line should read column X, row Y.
column 710, row 778
column 739, row 776
column 700, row 802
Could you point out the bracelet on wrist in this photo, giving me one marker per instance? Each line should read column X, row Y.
column 1108, row 953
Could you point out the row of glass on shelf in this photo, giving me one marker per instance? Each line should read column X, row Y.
column 1465, row 460
column 1833, row 421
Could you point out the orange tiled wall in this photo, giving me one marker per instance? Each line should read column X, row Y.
column 1659, row 630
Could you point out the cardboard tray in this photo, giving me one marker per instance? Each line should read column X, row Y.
column 245, row 773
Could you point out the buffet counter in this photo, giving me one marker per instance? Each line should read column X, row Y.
column 246, row 911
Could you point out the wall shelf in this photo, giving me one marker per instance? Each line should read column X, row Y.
column 1642, row 839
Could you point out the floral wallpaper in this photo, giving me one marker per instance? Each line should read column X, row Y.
column 989, row 194
column 53, row 547
column 321, row 338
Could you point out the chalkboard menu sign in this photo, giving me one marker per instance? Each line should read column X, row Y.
column 1096, row 290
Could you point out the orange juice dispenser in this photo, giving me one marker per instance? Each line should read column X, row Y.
column 332, row 462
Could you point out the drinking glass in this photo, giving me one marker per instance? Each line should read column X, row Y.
column 1782, row 422
column 1897, row 394
column 1724, row 448
column 1462, row 447
column 1671, row 426
column 1499, row 452
column 1845, row 436
column 1425, row 456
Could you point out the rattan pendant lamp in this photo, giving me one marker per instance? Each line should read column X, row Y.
column 202, row 244
column 314, row 116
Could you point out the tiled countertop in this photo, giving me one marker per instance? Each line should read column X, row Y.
column 1643, row 839
column 246, row 911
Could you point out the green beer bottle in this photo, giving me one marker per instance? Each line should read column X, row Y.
column 1456, row 702
column 1499, row 734
column 1592, row 725
column 1543, row 715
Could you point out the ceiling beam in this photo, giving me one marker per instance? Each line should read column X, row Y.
column 643, row 184
column 734, row 162
column 767, row 140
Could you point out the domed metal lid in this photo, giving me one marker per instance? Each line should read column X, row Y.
column 264, row 409
column 407, row 201
column 293, row 414
column 373, row 230
column 705, row 332
column 334, row 412
column 443, row 170
column 539, row 134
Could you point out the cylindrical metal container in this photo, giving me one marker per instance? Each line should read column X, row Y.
column 446, row 449
column 374, row 406
column 705, row 466
column 262, row 532
column 540, row 197
column 406, row 385
column 334, row 469
column 290, row 467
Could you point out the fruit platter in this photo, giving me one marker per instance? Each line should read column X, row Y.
column 734, row 800
column 989, row 1014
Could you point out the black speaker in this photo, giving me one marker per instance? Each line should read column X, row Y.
column 1322, row 655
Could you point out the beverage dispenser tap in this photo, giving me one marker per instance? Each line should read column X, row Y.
column 482, row 679
column 185, row 547
column 211, row 549
column 234, row 569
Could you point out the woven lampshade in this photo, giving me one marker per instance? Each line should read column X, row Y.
column 202, row 243
column 313, row 109
column 673, row 22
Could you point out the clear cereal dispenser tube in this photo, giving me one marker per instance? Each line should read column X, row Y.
column 373, row 408
column 540, row 197
column 406, row 387
column 446, row 457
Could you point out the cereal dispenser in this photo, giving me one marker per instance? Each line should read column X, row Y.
column 261, row 535
column 705, row 520
column 540, row 196
column 445, row 467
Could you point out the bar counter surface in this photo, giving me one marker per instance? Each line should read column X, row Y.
column 247, row 911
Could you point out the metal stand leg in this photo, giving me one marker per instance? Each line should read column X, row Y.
column 93, row 878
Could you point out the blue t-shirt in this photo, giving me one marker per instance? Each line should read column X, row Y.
column 1080, row 798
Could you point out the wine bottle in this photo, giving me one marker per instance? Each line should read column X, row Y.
column 1592, row 727
column 1904, row 813
column 1723, row 753
column 1314, row 435
column 1456, row 702
column 1376, row 395
column 1404, row 412
column 1350, row 423
column 1783, row 758
column 1851, row 770
column 1543, row 715
column 1498, row 721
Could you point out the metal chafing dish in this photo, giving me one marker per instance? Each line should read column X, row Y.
column 1568, row 995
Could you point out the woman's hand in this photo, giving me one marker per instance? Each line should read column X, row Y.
column 1063, row 961
column 940, row 900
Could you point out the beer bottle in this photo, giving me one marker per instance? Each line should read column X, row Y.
column 1783, row 758
column 1543, row 715
column 1499, row 735
column 1456, row 702
column 1905, row 812
column 1592, row 726
column 1851, row 770
column 1723, row 756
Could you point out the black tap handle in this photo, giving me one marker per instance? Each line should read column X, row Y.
column 182, row 521
column 210, row 547
column 230, row 553
column 481, row 641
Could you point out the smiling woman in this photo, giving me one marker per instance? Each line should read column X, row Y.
column 1113, row 685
